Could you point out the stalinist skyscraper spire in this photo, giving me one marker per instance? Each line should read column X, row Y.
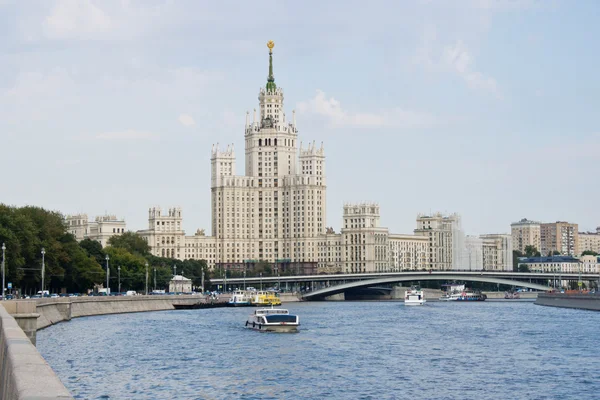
column 276, row 210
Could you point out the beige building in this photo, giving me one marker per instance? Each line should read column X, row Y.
column 408, row 252
column 589, row 241
column 525, row 233
column 497, row 252
column 446, row 240
column 101, row 229
column 563, row 264
column 559, row 236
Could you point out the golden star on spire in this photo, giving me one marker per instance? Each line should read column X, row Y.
column 270, row 45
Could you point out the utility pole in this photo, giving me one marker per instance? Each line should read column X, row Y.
column 107, row 274
column 154, row 278
column 43, row 271
column 146, row 279
column 174, row 281
column 202, row 280
column 3, row 271
column 119, row 283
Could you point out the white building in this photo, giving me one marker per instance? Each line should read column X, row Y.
column 180, row 284
column 101, row 229
column 472, row 259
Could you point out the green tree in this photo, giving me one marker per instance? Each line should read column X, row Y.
column 524, row 268
column 516, row 255
column 554, row 253
column 589, row 253
column 93, row 248
column 132, row 242
column 531, row 251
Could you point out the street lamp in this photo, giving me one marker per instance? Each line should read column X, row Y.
column 202, row 282
column 119, row 271
column 43, row 271
column 154, row 278
column 107, row 274
column 260, row 273
column 146, row 279
column 3, row 250
column 244, row 277
column 174, row 275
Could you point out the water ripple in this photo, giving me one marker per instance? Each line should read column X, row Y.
column 357, row 350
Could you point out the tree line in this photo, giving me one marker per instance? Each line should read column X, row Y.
column 76, row 267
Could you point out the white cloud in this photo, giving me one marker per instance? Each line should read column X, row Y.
column 460, row 60
column 76, row 18
column 186, row 120
column 128, row 134
column 331, row 109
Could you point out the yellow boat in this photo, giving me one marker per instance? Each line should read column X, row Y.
column 265, row 298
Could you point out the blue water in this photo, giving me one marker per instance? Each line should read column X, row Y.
column 344, row 350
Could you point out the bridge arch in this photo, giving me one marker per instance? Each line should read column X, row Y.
column 329, row 291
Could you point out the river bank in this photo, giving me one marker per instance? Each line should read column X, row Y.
column 580, row 301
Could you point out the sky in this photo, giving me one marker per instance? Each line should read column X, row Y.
column 484, row 108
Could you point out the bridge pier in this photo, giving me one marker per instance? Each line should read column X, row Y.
column 336, row 297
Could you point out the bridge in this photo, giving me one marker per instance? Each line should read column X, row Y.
column 320, row 286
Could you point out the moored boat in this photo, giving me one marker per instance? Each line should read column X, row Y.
column 240, row 298
column 512, row 295
column 471, row 295
column 273, row 320
column 264, row 298
column 414, row 296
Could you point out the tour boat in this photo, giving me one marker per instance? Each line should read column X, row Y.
column 471, row 295
column 414, row 297
column 453, row 292
column 450, row 297
column 265, row 298
column 240, row 298
column 273, row 320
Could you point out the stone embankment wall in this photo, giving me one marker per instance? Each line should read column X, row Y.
column 24, row 374
column 580, row 301
column 53, row 311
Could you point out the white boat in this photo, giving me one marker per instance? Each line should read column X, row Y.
column 240, row 298
column 414, row 297
column 453, row 292
column 273, row 320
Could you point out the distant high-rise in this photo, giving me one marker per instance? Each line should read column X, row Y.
column 446, row 240
column 525, row 233
column 589, row 241
column 559, row 236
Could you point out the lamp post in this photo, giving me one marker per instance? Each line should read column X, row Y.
column 260, row 274
column 244, row 277
column 146, row 279
column 154, row 278
column 43, row 271
column 202, row 282
column 107, row 274
column 3, row 250
column 119, row 283
column 174, row 281
column 225, row 281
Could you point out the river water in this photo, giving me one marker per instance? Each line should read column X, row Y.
column 344, row 350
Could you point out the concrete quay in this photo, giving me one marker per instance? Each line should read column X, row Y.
column 564, row 300
column 24, row 374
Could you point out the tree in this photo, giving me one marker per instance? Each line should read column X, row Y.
column 531, row 251
column 27, row 230
column 132, row 242
column 524, row 268
column 554, row 253
column 589, row 253
column 516, row 255
column 93, row 248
